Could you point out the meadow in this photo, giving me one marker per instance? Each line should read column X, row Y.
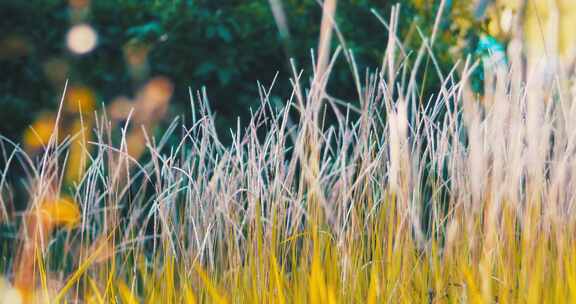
column 463, row 198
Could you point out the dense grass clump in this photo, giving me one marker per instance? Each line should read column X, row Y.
column 463, row 198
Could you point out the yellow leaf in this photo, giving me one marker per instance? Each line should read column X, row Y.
column 63, row 211
column 79, row 99
column 38, row 135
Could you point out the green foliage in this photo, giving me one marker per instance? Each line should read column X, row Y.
column 226, row 46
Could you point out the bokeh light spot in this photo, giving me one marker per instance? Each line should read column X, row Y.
column 81, row 39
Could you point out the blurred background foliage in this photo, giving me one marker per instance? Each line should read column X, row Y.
column 229, row 45
column 226, row 46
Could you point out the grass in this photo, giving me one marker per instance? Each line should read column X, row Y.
column 465, row 198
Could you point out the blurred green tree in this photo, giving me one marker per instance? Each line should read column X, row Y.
column 225, row 45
